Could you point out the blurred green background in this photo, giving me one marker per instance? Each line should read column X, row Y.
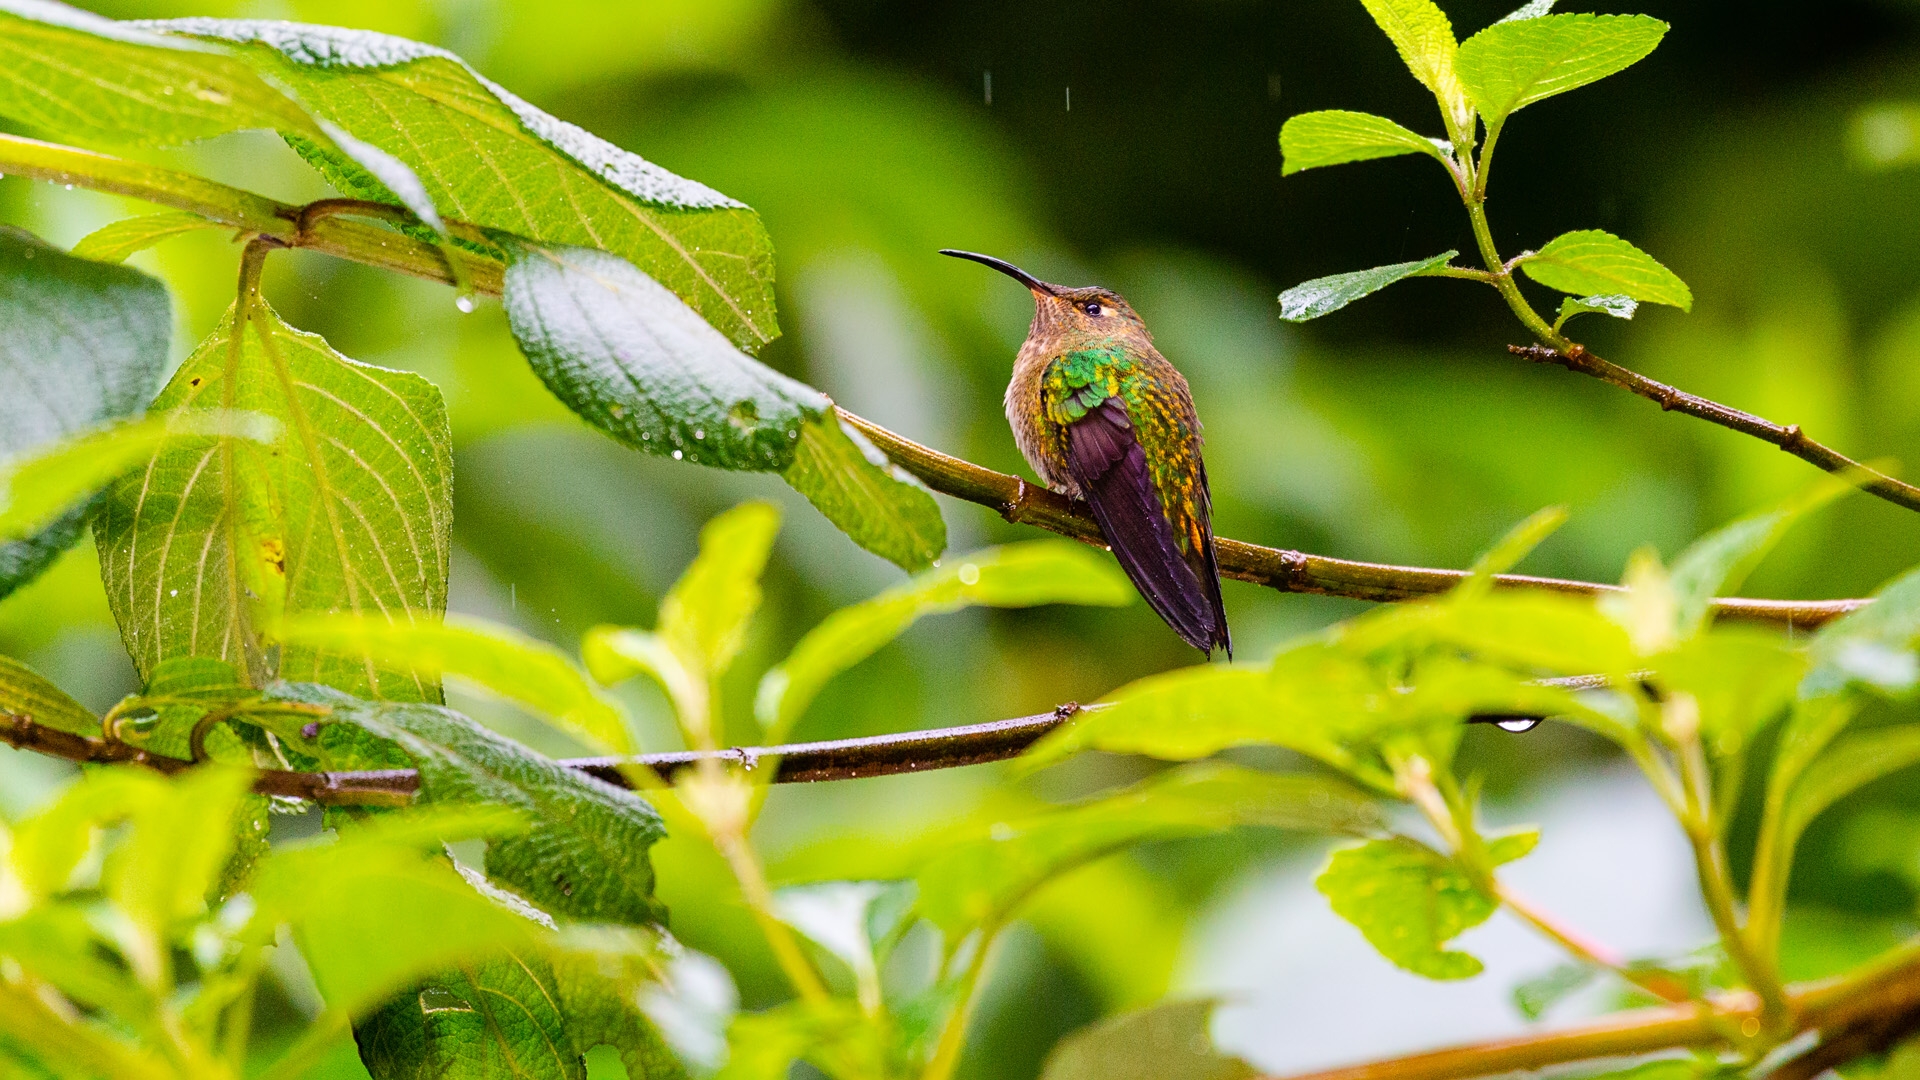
column 870, row 134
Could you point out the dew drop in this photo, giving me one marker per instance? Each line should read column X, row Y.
column 465, row 303
column 1001, row 831
column 1518, row 724
column 969, row 574
column 676, row 455
column 699, row 433
column 645, row 436
column 173, row 592
column 69, row 187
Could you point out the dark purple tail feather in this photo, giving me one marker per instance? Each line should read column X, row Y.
column 1110, row 466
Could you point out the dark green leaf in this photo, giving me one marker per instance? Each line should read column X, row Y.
column 350, row 511
column 1592, row 261
column 85, row 344
column 487, row 157
column 1323, row 296
column 112, row 243
column 881, row 506
column 1516, row 62
column 585, row 851
column 1410, row 900
column 1170, row 1041
column 26, row 692
column 1336, row 136
column 979, row 883
column 1018, row 575
column 638, row 363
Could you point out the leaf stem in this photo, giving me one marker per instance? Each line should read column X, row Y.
column 753, row 888
column 953, row 1037
column 1716, row 883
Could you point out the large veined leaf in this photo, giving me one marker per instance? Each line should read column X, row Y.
column 487, row 157
column 85, row 344
column 494, row 1017
column 1593, row 261
column 1337, row 136
column 1326, row 295
column 1514, row 63
column 1018, row 575
column 75, row 76
column 349, row 511
column 584, row 853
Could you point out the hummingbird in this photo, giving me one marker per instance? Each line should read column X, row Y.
column 1101, row 416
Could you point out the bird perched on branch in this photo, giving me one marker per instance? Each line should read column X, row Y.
column 1102, row 416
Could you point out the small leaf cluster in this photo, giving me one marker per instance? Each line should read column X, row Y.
column 1527, row 57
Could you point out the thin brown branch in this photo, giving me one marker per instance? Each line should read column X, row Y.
column 1787, row 437
column 1881, row 993
column 796, row 763
column 1276, row 568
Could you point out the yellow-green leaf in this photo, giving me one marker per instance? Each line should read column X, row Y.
column 1336, row 136
column 1592, row 262
column 1514, row 63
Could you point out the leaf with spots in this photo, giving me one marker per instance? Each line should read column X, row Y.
column 85, row 344
column 495, row 1017
column 485, row 156
column 877, row 503
column 348, row 511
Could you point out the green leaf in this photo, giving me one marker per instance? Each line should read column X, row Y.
column 856, row 921
column 1533, row 630
column 1424, row 38
column 43, row 486
column 1721, row 560
column 85, row 344
column 350, row 511
column 78, row 77
column 1871, row 644
column 1323, row 296
column 487, row 157
column 979, row 883
column 1169, row 1041
column 1018, row 575
column 834, row 1036
column 704, row 617
column 113, row 242
column 1620, row 307
column 1336, row 136
column 388, row 884
column 1507, row 552
column 1409, row 901
column 497, row 1017
column 603, row 1012
column 1533, row 997
column 26, row 692
column 1740, row 677
column 75, row 76
column 1197, row 712
column 1846, row 767
column 1592, row 261
column 499, row 658
column 635, row 361
column 585, row 851
column 1516, row 62
column 1532, row 9
column 881, row 506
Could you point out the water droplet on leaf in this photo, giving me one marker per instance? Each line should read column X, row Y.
column 1518, row 724
column 676, row 455
column 465, row 303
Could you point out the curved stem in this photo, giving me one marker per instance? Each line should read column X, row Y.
column 953, row 1037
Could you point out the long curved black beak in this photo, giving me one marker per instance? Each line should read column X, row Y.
column 1006, row 268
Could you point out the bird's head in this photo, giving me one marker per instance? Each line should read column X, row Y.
column 1089, row 310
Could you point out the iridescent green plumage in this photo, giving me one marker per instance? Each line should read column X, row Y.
column 1101, row 415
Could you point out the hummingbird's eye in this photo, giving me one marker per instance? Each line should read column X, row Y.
column 1092, row 307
